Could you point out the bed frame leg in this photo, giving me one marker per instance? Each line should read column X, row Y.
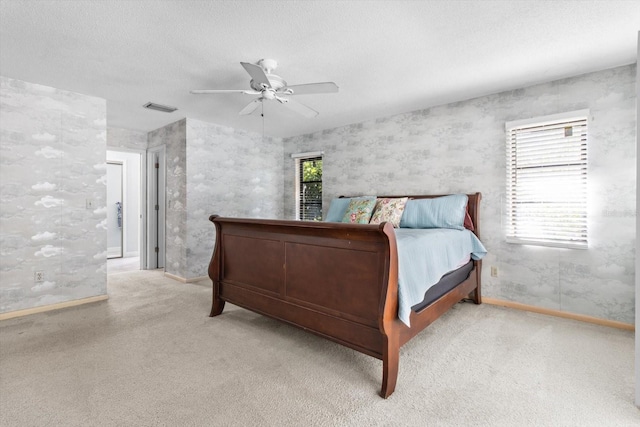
column 476, row 295
column 218, row 304
column 390, row 357
column 216, row 307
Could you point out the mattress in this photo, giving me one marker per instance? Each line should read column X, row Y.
column 425, row 256
column 448, row 282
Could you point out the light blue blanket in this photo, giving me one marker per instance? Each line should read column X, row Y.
column 424, row 256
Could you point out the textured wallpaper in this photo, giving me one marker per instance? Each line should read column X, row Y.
column 460, row 147
column 214, row 169
column 52, row 151
column 229, row 173
column 173, row 137
column 126, row 138
column 53, row 146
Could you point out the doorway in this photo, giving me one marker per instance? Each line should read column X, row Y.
column 114, row 210
column 125, row 219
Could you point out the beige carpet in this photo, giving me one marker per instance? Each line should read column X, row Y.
column 150, row 356
column 121, row 265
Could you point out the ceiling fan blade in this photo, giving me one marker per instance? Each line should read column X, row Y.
column 210, row 91
column 298, row 107
column 324, row 87
column 257, row 74
column 251, row 107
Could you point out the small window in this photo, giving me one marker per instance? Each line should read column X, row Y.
column 309, row 188
column 547, row 181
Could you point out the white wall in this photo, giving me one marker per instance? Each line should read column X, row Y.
column 52, row 151
column 460, row 147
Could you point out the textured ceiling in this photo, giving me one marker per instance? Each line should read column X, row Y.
column 388, row 57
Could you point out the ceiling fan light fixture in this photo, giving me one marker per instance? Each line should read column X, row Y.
column 269, row 94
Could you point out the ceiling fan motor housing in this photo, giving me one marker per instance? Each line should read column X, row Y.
column 276, row 82
column 268, row 65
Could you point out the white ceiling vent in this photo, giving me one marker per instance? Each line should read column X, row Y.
column 158, row 107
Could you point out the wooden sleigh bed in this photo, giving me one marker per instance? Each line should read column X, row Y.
column 339, row 281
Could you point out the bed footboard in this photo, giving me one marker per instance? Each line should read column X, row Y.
column 331, row 279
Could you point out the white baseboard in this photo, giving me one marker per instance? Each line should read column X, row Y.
column 197, row 279
column 558, row 313
column 131, row 254
column 50, row 307
column 183, row 280
column 113, row 251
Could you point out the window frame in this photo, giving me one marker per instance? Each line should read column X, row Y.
column 575, row 169
column 299, row 158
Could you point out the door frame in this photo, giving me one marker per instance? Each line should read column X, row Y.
column 122, row 212
column 143, row 198
column 155, row 224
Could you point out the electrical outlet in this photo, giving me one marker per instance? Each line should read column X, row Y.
column 38, row 276
column 494, row 271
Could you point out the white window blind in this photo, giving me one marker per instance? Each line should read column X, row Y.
column 309, row 188
column 547, row 181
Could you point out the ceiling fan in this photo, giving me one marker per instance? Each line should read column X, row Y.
column 270, row 86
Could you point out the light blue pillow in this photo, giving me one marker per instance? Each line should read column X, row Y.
column 339, row 206
column 440, row 212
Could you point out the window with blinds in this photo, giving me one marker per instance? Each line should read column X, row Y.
column 547, row 181
column 309, row 189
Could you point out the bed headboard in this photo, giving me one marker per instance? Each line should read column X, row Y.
column 473, row 206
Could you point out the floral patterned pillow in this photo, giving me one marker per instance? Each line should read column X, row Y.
column 389, row 210
column 359, row 210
